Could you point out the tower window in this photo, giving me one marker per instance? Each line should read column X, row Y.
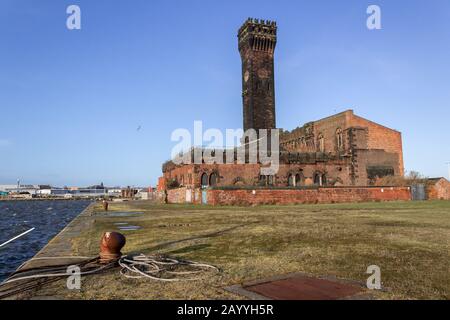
column 321, row 141
column 339, row 139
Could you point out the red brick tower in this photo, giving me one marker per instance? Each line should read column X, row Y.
column 257, row 41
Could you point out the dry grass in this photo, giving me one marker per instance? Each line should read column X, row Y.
column 410, row 241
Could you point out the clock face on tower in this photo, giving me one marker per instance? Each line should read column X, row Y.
column 246, row 76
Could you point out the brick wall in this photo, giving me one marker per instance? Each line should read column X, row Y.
column 364, row 159
column 161, row 184
column 176, row 195
column 184, row 195
column 300, row 196
column 368, row 149
column 359, row 133
column 380, row 137
column 439, row 190
column 327, row 127
column 248, row 174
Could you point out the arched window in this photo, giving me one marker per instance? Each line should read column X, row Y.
column 317, row 179
column 321, row 141
column 324, row 180
column 291, row 180
column 213, row 179
column 339, row 139
column 262, row 180
column 298, row 179
column 204, row 180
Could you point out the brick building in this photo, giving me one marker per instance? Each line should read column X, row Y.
column 438, row 189
column 340, row 150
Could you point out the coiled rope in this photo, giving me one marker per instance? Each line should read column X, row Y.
column 27, row 279
column 162, row 268
column 154, row 267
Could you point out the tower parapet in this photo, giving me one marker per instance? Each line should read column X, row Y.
column 258, row 34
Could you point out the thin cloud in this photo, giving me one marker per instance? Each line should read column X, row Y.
column 5, row 143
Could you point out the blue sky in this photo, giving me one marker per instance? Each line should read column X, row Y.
column 71, row 102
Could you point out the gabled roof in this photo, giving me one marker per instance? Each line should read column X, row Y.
column 436, row 180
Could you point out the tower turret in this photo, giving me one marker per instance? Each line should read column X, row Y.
column 257, row 41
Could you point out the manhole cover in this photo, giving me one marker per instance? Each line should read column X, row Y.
column 299, row 287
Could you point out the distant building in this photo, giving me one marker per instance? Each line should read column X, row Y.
column 129, row 192
column 7, row 187
column 114, row 191
column 438, row 189
column 95, row 191
column 47, row 192
column 24, row 189
column 89, row 193
column 72, row 192
column 146, row 194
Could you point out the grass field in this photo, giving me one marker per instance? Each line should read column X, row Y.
column 409, row 241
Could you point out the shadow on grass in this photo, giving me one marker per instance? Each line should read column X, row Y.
column 188, row 249
column 198, row 237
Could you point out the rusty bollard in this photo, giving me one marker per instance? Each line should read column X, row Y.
column 110, row 246
column 105, row 205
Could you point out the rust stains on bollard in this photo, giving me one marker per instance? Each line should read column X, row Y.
column 110, row 246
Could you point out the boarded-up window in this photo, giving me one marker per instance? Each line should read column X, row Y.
column 376, row 172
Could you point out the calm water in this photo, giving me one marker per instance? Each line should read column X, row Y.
column 48, row 217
